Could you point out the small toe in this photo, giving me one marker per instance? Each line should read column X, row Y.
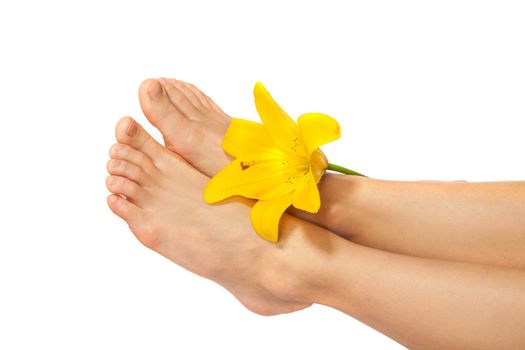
column 182, row 98
column 189, row 93
column 129, row 189
column 125, row 209
column 205, row 99
column 129, row 132
column 135, row 217
column 127, row 153
column 129, row 170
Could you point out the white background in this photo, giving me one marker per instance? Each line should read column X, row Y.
column 423, row 90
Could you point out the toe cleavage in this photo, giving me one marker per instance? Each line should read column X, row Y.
column 126, row 169
column 129, row 132
column 127, row 153
column 127, row 188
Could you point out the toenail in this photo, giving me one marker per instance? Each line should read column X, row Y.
column 131, row 130
column 154, row 89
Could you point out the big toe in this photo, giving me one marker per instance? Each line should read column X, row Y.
column 129, row 132
column 160, row 111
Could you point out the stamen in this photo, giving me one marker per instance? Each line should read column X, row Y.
column 244, row 166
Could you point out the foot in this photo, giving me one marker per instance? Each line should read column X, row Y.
column 192, row 125
column 159, row 195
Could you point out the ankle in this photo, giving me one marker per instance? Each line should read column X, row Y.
column 347, row 215
column 293, row 269
column 339, row 214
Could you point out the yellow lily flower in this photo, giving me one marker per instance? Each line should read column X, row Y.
column 278, row 162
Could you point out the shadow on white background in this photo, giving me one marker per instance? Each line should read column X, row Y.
column 422, row 91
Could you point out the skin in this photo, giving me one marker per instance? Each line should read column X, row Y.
column 469, row 222
column 159, row 194
column 460, row 221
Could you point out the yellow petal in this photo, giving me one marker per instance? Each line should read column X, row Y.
column 317, row 129
column 266, row 215
column 281, row 128
column 306, row 197
column 244, row 136
column 263, row 175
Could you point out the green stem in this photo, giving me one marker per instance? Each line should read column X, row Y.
column 343, row 170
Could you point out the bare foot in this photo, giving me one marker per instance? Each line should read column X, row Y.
column 159, row 195
column 193, row 126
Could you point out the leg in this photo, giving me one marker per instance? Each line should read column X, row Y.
column 461, row 221
column 421, row 303
column 482, row 223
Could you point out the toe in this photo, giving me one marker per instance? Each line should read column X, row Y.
column 186, row 91
column 155, row 102
column 129, row 170
column 125, row 209
column 161, row 112
column 135, row 217
column 183, row 98
column 127, row 153
column 204, row 100
column 129, row 189
column 129, row 132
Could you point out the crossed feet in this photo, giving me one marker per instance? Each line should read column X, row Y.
column 157, row 190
